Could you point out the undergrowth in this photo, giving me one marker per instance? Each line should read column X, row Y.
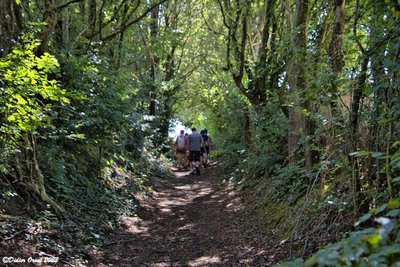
column 375, row 242
column 97, row 194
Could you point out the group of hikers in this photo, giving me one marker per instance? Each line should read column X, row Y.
column 193, row 149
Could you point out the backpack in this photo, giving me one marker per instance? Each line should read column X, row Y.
column 205, row 138
column 181, row 143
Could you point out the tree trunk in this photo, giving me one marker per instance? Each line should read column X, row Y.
column 299, row 127
column 246, row 126
column 296, row 126
column 240, row 47
column 11, row 25
column 33, row 179
column 259, row 90
column 354, row 120
column 154, row 64
column 356, row 103
column 337, row 65
column 118, row 51
column 65, row 29
column 335, row 48
column 379, row 76
column 50, row 16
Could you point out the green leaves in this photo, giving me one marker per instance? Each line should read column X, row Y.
column 28, row 94
column 363, row 219
column 365, row 154
column 373, row 246
column 393, row 204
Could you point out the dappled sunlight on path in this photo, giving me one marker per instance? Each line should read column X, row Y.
column 189, row 221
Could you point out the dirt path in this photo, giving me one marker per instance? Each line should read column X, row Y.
column 190, row 221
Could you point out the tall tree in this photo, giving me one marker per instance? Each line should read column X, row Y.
column 335, row 48
column 250, row 55
column 300, row 126
column 155, row 62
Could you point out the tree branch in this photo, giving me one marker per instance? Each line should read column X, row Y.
column 59, row 7
column 126, row 26
column 209, row 26
column 355, row 27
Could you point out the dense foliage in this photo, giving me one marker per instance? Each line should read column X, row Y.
column 374, row 243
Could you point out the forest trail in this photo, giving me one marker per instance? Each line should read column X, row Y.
column 190, row 220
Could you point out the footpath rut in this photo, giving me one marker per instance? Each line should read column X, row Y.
column 189, row 221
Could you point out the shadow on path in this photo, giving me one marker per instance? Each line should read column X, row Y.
column 190, row 221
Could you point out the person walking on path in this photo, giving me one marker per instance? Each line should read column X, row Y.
column 187, row 151
column 195, row 143
column 181, row 145
column 205, row 149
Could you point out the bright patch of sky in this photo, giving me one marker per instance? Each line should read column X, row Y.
column 175, row 127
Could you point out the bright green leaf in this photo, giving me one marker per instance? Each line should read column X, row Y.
column 394, row 204
column 374, row 240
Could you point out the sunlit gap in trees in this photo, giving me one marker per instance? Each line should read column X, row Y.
column 175, row 126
